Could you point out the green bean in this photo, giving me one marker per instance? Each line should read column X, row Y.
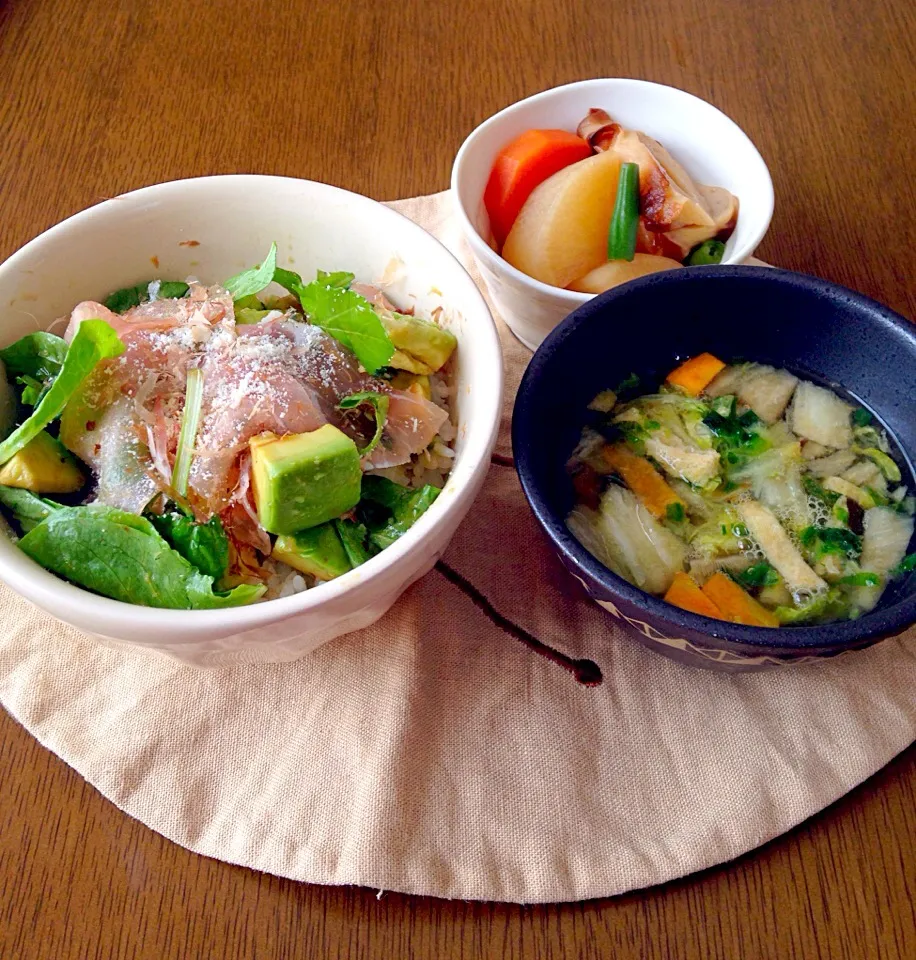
column 621, row 240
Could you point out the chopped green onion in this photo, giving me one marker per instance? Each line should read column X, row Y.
column 190, row 418
column 710, row 251
column 621, row 240
column 861, row 417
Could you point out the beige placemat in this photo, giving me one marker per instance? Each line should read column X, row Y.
column 434, row 754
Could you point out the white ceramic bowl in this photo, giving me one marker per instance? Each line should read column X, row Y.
column 713, row 149
column 232, row 220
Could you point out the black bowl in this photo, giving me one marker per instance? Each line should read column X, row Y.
column 816, row 329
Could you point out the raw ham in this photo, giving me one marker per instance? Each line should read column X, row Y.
column 281, row 375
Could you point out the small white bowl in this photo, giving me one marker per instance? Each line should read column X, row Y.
column 713, row 149
column 213, row 227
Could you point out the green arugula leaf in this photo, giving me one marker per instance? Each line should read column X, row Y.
column 354, row 537
column 122, row 556
column 251, row 281
column 94, row 341
column 36, row 355
column 379, row 404
column 339, row 279
column 205, row 545
column 404, row 504
column 32, row 390
column 128, row 297
column 27, row 508
column 349, row 319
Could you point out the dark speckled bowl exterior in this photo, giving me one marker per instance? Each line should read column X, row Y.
column 817, row 329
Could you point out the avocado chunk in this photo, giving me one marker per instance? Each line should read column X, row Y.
column 43, row 465
column 417, row 384
column 304, row 479
column 421, row 340
column 249, row 310
column 318, row 551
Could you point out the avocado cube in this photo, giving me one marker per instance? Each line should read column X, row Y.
column 304, row 479
column 421, row 339
column 43, row 465
column 318, row 551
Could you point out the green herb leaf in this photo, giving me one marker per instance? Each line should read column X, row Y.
column 825, row 540
column 339, row 279
column 94, row 341
column 355, row 538
column 631, row 382
column 759, row 575
column 254, row 280
column 815, row 489
column 27, row 509
column 205, row 545
column 37, row 355
column 122, row 556
column 861, row 579
column 350, row 319
column 379, row 404
column 129, row 297
column 861, row 417
column 190, row 418
column 405, row 505
column 172, row 290
column 675, row 512
column 32, row 390
column 906, row 565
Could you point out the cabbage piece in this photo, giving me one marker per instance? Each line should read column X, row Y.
column 779, row 549
column 718, row 536
column 820, row 415
column 775, row 479
column 884, row 545
column 812, row 450
column 651, row 552
column 698, row 467
column 587, row 527
column 866, row 474
column 832, row 465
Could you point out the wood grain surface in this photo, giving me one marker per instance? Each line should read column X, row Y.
column 376, row 95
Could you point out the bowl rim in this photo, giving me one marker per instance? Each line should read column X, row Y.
column 116, row 616
column 574, row 298
column 882, row 622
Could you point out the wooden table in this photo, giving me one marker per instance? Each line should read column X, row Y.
column 99, row 98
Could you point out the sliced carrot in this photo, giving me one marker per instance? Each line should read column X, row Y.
column 695, row 374
column 685, row 593
column 523, row 164
column 642, row 478
column 736, row 604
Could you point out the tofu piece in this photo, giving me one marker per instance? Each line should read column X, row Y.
column 779, row 549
